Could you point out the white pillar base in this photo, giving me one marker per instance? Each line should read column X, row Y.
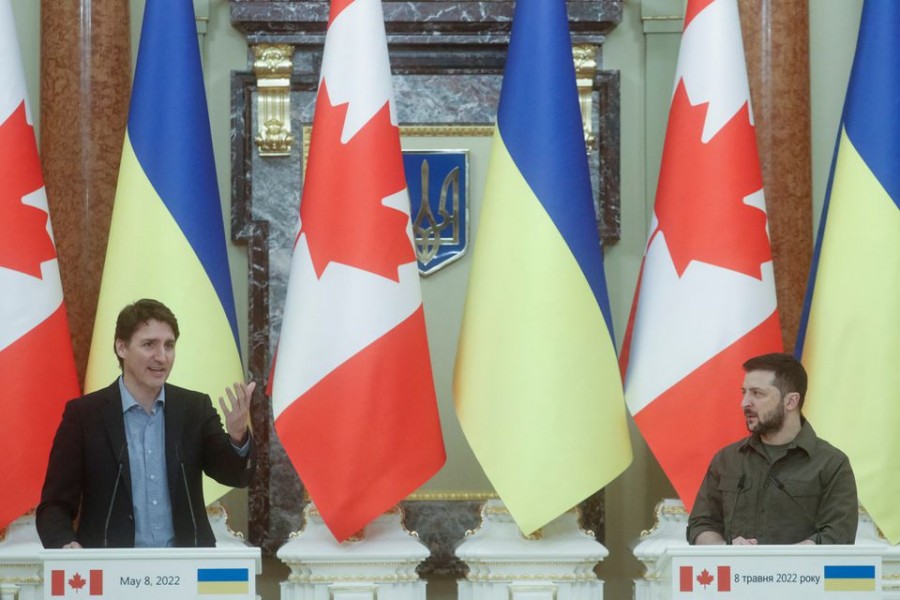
column 556, row 564
column 381, row 565
column 21, row 571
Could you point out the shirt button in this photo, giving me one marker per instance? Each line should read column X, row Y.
column 154, row 503
column 152, row 477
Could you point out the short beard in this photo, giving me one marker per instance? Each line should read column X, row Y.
column 771, row 424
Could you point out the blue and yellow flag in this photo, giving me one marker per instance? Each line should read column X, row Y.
column 537, row 386
column 167, row 237
column 850, row 334
column 219, row 582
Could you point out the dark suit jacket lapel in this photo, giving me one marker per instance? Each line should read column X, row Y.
column 114, row 422
column 174, row 434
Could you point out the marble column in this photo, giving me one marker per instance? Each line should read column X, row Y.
column 85, row 84
column 776, row 42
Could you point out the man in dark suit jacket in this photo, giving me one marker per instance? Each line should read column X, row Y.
column 103, row 449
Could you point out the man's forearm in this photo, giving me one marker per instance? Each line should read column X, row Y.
column 708, row 538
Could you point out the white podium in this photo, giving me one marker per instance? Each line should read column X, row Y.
column 772, row 572
column 151, row 573
column 557, row 564
column 868, row 569
column 22, row 562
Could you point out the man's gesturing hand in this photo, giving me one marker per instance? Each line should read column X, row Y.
column 236, row 418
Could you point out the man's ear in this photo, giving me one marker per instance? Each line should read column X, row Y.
column 792, row 401
column 120, row 348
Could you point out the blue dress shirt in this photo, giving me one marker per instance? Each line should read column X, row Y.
column 146, row 435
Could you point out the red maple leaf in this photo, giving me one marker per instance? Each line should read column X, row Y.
column 77, row 582
column 342, row 212
column 704, row 578
column 694, row 8
column 24, row 241
column 337, row 7
column 702, row 186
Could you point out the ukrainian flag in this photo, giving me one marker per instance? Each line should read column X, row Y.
column 537, row 387
column 167, row 238
column 852, row 578
column 223, row 581
column 850, row 335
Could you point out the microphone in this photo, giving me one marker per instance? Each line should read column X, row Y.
column 777, row 483
column 112, row 500
column 187, row 491
column 740, row 490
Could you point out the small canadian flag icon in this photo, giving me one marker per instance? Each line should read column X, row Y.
column 73, row 585
column 704, row 579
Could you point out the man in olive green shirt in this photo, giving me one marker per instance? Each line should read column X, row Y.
column 783, row 484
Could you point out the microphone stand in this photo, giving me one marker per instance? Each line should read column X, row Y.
column 112, row 501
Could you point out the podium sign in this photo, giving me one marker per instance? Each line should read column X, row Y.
column 151, row 574
column 775, row 573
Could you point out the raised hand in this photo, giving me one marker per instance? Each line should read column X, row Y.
column 237, row 417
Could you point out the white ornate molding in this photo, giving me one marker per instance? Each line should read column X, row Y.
column 218, row 520
column 21, row 570
column 556, row 564
column 380, row 564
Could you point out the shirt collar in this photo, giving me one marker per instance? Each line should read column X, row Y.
column 128, row 400
column 805, row 440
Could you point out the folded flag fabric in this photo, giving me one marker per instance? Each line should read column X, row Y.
column 167, row 236
column 352, row 387
column 705, row 301
column 537, row 387
column 849, row 336
column 37, row 366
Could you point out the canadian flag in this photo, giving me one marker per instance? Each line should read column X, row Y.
column 36, row 363
column 705, row 300
column 73, row 585
column 352, row 389
column 704, row 579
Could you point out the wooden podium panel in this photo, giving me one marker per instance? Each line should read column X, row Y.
column 151, row 574
column 774, row 572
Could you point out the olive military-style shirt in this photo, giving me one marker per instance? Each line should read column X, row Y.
column 804, row 490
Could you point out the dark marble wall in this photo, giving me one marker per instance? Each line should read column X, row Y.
column 447, row 59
